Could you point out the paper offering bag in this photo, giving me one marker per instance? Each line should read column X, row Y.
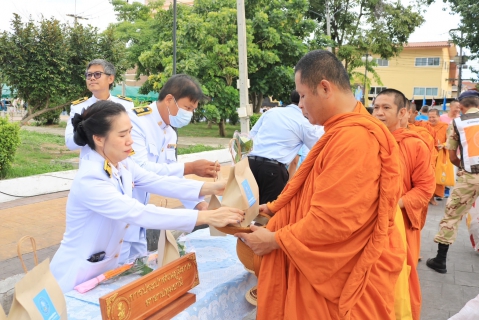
column 37, row 295
column 214, row 204
column 2, row 314
column 242, row 191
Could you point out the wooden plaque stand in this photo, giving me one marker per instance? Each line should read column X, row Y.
column 161, row 294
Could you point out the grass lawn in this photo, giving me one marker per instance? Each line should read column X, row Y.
column 201, row 130
column 37, row 150
column 35, row 153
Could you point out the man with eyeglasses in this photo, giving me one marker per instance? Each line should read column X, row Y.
column 100, row 75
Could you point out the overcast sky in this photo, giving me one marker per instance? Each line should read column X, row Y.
column 100, row 13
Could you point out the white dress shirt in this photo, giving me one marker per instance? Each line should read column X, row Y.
column 78, row 108
column 281, row 132
column 154, row 143
column 100, row 209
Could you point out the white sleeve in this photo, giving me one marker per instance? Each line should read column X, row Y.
column 167, row 186
column 103, row 198
column 69, row 130
column 310, row 134
column 141, row 157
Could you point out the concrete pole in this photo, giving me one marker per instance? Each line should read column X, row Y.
column 328, row 24
column 245, row 109
column 174, row 37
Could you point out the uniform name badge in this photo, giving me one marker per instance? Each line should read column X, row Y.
column 171, row 152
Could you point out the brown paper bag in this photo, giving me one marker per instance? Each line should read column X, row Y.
column 215, row 203
column 37, row 295
column 167, row 248
column 2, row 314
column 242, row 191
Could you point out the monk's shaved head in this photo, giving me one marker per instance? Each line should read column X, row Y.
column 435, row 111
column 320, row 65
column 399, row 98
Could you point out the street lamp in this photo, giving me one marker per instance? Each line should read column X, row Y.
column 365, row 59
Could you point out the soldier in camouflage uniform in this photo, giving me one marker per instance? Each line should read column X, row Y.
column 463, row 133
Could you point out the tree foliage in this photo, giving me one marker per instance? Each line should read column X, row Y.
column 469, row 25
column 367, row 26
column 45, row 62
column 208, row 47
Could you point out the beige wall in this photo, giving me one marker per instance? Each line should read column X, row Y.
column 403, row 75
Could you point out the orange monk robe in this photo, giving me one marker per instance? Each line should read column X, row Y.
column 418, row 187
column 426, row 125
column 428, row 138
column 340, row 251
column 441, row 134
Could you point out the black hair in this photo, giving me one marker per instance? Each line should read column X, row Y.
column 425, row 108
column 294, row 97
column 320, row 65
column 399, row 98
column 95, row 121
column 435, row 111
column 182, row 86
column 470, row 101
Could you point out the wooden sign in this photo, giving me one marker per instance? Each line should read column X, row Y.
column 164, row 288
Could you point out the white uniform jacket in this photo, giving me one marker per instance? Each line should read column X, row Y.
column 154, row 144
column 78, row 108
column 100, row 209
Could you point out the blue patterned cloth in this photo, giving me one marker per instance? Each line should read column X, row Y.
column 220, row 294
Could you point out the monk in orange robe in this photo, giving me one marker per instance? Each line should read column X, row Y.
column 332, row 250
column 418, row 181
column 423, row 129
column 440, row 129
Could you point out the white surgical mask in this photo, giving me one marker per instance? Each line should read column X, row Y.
column 182, row 118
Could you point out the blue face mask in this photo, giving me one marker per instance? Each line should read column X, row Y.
column 182, row 118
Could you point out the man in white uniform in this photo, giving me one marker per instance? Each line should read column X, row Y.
column 100, row 75
column 154, row 145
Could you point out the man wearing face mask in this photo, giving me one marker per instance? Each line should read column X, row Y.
column 154, row 145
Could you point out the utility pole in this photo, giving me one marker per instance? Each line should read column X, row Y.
column 328, row 24
column 245, row 109
column 366, row 58
column 174, row 37
column 75, row 16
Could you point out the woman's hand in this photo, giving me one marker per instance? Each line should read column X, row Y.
column 220, row 217
column 216, row 188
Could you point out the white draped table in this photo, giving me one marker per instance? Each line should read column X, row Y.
column 220, row 294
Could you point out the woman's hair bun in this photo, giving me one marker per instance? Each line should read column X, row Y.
column 79, row 136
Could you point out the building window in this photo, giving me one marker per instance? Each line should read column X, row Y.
column 427, row 62
column 418, row 91
column 374, row 91
column 382, row 62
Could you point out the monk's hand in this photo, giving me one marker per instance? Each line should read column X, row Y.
column 263, row 208
column 261, row 240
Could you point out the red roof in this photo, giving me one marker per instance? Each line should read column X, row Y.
column 431, row 44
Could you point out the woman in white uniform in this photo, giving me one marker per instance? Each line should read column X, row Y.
column 100, row 207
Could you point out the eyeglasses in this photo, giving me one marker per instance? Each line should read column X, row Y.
column 96, row 74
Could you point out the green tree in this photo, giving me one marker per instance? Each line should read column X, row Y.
column 367, row 26
column 45, row 62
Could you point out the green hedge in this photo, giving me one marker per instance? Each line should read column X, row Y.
column 253, row 119
column 9, row 142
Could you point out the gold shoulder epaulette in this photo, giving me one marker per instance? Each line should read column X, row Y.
column 79, row 101
column 125, row 98
column 107, row 168
column 142, row 111
column 131, row 153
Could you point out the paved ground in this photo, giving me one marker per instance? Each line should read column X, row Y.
column 44, row 218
